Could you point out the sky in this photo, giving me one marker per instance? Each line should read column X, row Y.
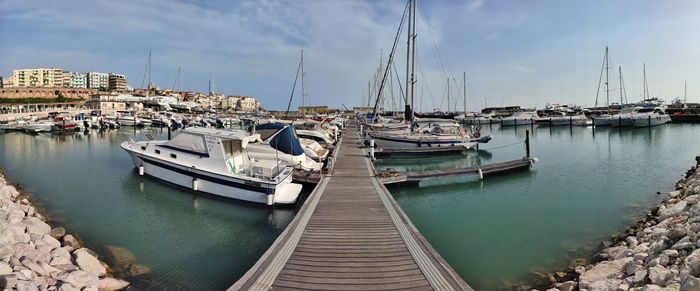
column 526, row 53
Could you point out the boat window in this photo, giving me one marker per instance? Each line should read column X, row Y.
column 158, row 152
column 232, row 147
column 188, row 141
column 266, row 133
column 645, row 110
column 174, row 156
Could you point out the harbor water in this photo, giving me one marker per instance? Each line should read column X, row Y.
column 496, row 233
column 503, row 232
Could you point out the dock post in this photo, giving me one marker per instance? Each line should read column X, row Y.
column 481, row 174
column 371, row 149
column 527, row 144
column 362, row 130
column 650, row 121
column 571, row 121
column 168, row 132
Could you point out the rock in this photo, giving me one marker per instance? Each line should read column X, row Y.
column 31, row 265
column 639, row 276
column 36, row 226
column 670, row 253
column 47, row 243
column 567, row 286
column 580, row 270
column 683, row 245
column 604, row 270
column 614, row 251
column 67, row 287
column 658, row 275
column 651, row 288
column 607, row 284
column 87, row 262
column 691, row 284
column 119, row 256
column 79, row 279
column 110, row 284
column 693, row 261
column 5, row 268
column 633, row 267
column 136, row 270
column 640, row 256
column 674, row 194
column 58, row 232
column 671, row 210
column 632, row 242
column 623, row 287
column 70, row 242
column 60, row 256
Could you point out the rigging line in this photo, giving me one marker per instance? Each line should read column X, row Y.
column 293, row 89
column 396, row 73
column 600, row 80
column 391, row 56
column 430, row 92
column 435, row 47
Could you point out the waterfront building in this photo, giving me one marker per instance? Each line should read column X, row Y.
column 97, row 80
column 39, row 77
column 77, row 80
column 241, row 103
column 315, row 109
column 117, row 82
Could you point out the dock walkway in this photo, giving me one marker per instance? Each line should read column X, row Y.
column 350, row 234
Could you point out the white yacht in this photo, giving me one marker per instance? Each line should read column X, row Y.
column 646, row 117
column 520, row 118
column 573, row 117
column 314, row 150
column 624, row 117
column 215, row 162
column 39, row 126
column 279, row 142
column 435, row 137
column 602, row 120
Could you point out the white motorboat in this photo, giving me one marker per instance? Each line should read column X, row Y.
column 314, row 150
column 279, row 142
column 39, row 126
column 573, row 117
column 602, row 120
column 320, row 137
column 624, row 117
column 438, row 136
column 215, row 162
column 646, row 117
column 520, row 118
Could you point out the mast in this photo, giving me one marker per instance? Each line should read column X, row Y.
column 685, row 91
column 413, row 54
column 448, row 95
column 408, row 114
column 646, row 88
column 607, row 78
column 464, row 81
column 177, row 80
column 620, row 73
column 303, row 95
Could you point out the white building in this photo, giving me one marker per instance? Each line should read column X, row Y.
column 76, row 79
column 96, row 80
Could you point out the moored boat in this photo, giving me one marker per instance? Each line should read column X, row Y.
column 215, row 162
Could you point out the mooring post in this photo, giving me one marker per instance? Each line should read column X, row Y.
column 650, row 121
column 371, row 148
column 571, row 121
column 527, row 144
column 168, row 132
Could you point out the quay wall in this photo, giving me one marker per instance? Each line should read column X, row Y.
column 660, row 252
column 35, row 256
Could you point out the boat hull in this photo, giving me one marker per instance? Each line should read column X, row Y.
column 517, row 121
column 653, row 121
column 400, row 143
column 284, row 192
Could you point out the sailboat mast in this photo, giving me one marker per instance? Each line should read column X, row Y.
column 413, row 54
column 685, row 91
column 303, row 94
column 464, row 81
column 620, row 73
column 409, row 101
column 646, row 89
column 607, row 78
column 448, row 94
column 148, row 86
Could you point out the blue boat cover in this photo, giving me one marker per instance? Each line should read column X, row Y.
column 286, row 139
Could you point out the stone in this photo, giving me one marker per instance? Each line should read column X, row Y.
column 674, row 194
column 87, row 262
column 623, row 287
column 691, row 284
column 79, row 279
column 640, row 256
column 606, row 284
column 639, row 276
column 67, row 287
column 604, row 270
column 632, row 242
column 5, row 268
column 58, row 232
column 683, row 245
column 651, row 288
column 612, row 252
column 658, row 275
column 567, row 286
column 693, row 261
column 70, row 242
column 47, row 243
column 36, row 226
column 60, row 253
column 31, row 265
column 580, row 270
column 670, row 253
column 633, row 267
column 671, row 210
column 136, row 270
column 111, row 284
column 119, row 256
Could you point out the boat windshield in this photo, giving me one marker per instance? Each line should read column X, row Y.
column 645, row 110
column 188, row 141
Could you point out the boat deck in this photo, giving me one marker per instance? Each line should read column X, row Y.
column 350, row 234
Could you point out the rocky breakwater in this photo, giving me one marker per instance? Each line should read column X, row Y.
column 661, row 252
column 34, row 256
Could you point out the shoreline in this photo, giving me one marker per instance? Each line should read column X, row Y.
column 658, row 252
column 34, row 255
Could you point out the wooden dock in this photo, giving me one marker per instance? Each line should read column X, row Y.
column 350, row 234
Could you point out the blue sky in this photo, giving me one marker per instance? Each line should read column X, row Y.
column 514, row 52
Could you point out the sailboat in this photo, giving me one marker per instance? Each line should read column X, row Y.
column 435, row 137
column 604, row 119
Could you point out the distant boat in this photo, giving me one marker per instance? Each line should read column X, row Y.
column 520, row 118
column 215, row 162
column 573, row 117
column 279, row 142
column 650, row 117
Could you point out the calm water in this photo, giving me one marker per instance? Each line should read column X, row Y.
column 86, row 183
column 586, row 186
